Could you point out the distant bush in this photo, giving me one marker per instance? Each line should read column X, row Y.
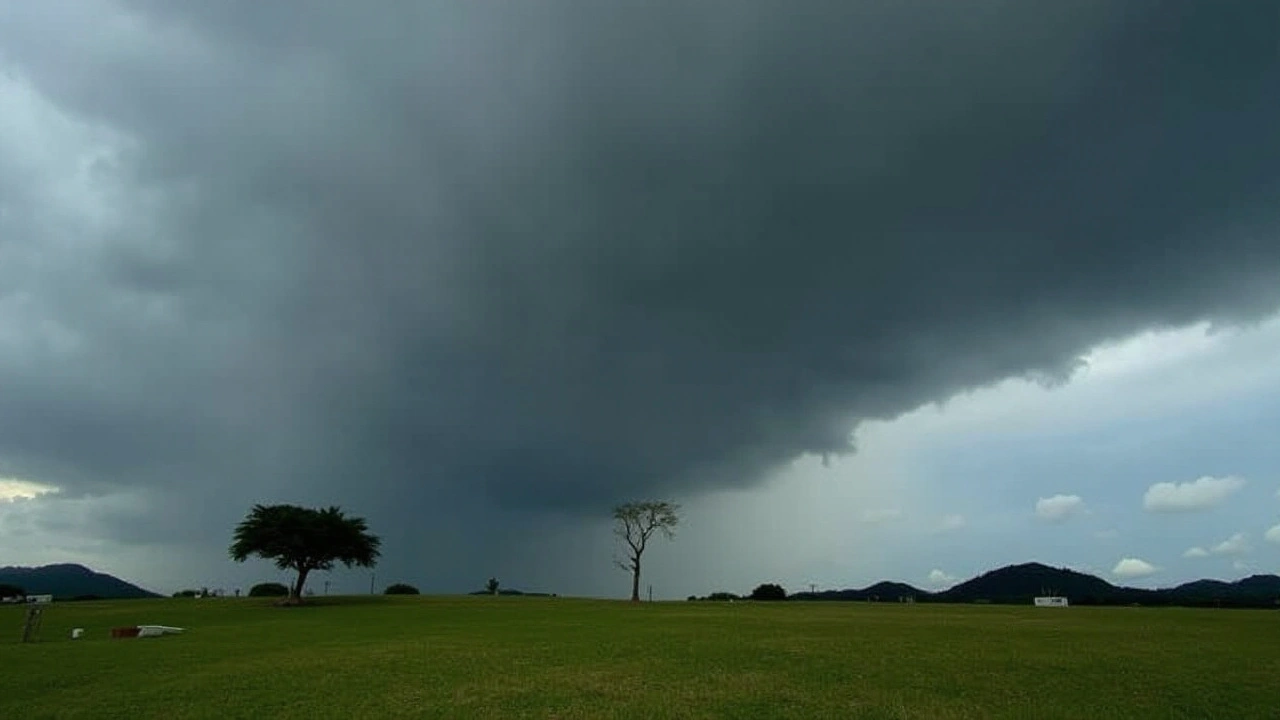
column 400, row 589
column 11, row 591
column 186, row 593
column 271, row 589
column 717, row 596
column 769, row 591
column 509, row 592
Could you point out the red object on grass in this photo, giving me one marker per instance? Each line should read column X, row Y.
column 124, row 632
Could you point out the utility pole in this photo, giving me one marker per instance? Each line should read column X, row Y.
column 650, row 593
column 813, row 588
column 326, row 587
column 371, row 577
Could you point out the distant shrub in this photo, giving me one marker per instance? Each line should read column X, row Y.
column 719, row 596
column 270, row 589
column 186, row 593
column 11, row 591
column 769, row 591
column 400, row 589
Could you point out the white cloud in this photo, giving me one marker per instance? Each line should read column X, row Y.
column 1235, row 545
column 13, row 489
column 877, row 517
column 1273, row 535
column 951, row 522
column 1058, row 507
column 938, row 578
column 1242, row 566
column 1199, row 494
column 1110, row 534
column 1133, row 568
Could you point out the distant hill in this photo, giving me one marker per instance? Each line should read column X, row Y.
column 883, row 591
column 1260, row 584
column 1018, row 584
column 1021, row 583
column 69, row 581
column 1204, row 592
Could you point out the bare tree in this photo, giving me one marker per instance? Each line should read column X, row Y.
column 635, row 524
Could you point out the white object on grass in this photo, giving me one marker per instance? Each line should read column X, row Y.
column 157, row 630
column 76, row 633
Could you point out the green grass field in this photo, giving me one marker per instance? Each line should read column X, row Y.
column 375, row 657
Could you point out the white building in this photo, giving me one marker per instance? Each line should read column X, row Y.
column 1051, row 602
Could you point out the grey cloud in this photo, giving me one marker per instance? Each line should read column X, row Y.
column 554, row 257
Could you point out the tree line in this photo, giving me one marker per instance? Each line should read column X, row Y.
column 305, row 540
column 763, row 591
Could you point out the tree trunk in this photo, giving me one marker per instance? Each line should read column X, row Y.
column 295, row 593
column 635, row 580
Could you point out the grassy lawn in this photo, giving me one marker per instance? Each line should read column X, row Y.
column 374, row 657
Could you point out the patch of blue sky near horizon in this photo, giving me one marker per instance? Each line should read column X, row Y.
column 1163, row 407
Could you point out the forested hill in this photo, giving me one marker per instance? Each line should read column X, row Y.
column 68, row 581
column 1018, row 584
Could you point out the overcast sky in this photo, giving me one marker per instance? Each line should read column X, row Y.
column 875, row 289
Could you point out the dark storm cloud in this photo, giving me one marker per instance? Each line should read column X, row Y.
column 573, row 253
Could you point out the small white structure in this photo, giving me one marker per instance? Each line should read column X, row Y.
column 1051, row 602
column 41, row 599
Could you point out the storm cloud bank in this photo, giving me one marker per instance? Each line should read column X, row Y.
column 569, row 253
